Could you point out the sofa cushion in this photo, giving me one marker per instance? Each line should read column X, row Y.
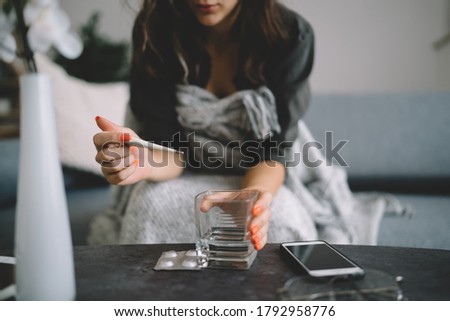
column 9, row 169
column 427, row 227
column 77, row 102
column 389, row 135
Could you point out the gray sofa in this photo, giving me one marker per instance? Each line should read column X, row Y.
column 397, row 143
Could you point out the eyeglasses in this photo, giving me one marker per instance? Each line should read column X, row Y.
column 376, row 285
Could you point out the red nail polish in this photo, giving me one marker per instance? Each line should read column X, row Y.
column 258, row 246
column 133, row 149
column 125, row 137
column 136, row 162
column 257, row 210
column 254, row 230
column 97, row 118
column 255, row 240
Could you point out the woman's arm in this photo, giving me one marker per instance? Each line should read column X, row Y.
column 163, row 165
column 266, row 177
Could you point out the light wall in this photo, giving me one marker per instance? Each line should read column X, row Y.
column 361, row 45
column 378, row 45
column 116, row 18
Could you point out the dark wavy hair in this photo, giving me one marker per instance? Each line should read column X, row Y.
column 169, row 42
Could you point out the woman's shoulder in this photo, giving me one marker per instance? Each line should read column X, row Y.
column 298, row 27
column 292, row 60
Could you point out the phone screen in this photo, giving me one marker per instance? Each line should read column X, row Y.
column 319, row 257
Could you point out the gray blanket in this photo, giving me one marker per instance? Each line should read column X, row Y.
column 339, row 215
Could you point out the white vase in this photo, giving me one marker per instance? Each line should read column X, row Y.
column 43, row 243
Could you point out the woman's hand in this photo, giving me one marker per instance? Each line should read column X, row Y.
column 259, row 224
column 266, row 177
column 119, row 161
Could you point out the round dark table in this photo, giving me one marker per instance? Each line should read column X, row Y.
column 125, row 272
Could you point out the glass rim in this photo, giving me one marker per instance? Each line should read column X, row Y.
column 254, row 193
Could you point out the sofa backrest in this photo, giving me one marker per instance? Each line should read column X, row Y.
column 389, row 135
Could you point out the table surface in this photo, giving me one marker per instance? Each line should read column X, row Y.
column 125, row 272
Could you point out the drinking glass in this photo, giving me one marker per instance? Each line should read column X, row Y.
column 222, row 219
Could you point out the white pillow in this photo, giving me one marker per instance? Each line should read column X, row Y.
column 77, row 103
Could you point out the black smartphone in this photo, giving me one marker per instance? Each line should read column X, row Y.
column 320, row 259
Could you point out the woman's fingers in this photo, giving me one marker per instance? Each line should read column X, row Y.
column 261, row 244
column 112, row 153
column 258, row 229
column 107, row 125
column 263, row 203
column 118, row 165
column 129, row 157
column 258, row 234
column 220, row 199
column 118, row 160
column 111, row 133
column 104, row 139
column 259, row 225
column 120, row 177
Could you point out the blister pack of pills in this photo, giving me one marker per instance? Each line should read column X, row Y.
column 178, row 260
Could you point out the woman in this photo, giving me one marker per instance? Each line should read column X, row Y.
column 246, row 61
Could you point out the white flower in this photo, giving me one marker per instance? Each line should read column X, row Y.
column 50, row 26
column 8, row 45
